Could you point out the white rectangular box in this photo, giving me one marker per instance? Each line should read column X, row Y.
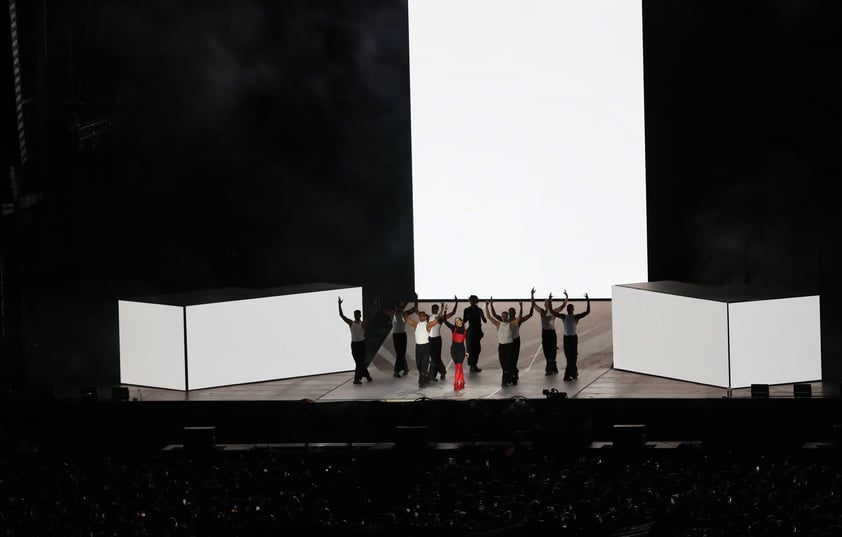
column 728, row 336
column 230, row 336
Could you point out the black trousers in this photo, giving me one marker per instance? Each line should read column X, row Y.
column 474, row 344
column 400, row 352
column 506, row 355
column 571, row 353
column 422, row 362
column 358, row 352
column 549, row 343
column 436, row 363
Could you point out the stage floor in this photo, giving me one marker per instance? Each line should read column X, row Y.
column 597, row 377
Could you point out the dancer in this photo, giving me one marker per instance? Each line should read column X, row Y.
column 398, row 334
column 570, row 342
column 474, row 317
column 437, row 366
column 505, row 346
column 549, row 336
column 358, row 327
column 458, row 353
column 422, row 344
column 515, row 334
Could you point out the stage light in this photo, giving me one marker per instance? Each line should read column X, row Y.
column 804, row 391
column 553, row 393
column 760, row 391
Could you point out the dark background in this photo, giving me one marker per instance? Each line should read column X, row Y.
column 260, row 144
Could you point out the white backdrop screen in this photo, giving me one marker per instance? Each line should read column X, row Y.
column 527, row 146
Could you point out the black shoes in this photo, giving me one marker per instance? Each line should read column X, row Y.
column 475, row 369
column 397, row 375
column 368, row 378
column 356, row 381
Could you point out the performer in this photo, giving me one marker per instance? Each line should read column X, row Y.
column 437, row 365
column 422, row 345
column 505, row 346
column 549, row 336
column 457, row 348
column 474, row 317
column 358, row 327
column 398, row 335
column 570, row 343
column 515, row 334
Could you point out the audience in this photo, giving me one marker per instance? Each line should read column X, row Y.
column 500, row 489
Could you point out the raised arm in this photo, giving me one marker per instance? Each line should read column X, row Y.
column 453, row 312
column 536, row 306
column 342, row 315
column 587, row 309
column 564, row 305
column 434, row 322
column 523, row 319
column 490, row 316
column 410, row 321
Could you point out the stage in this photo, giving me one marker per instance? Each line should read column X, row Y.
column 597, row 377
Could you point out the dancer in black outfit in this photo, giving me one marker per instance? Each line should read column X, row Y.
column 571, row 338
column 437, row 365
column 515, row 349
column 422, row 344
column 505, row 347
column 358, row 327
column 474, row 317
column 549, row 336
column 398, row 334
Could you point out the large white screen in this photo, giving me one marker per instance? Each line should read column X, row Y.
column 775, row 341
column 670, row 336
column 269, row 338
column 527, row 146
column 151, row 344
column 236, row 341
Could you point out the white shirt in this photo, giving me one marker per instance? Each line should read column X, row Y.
column 504, row 333
column 547, row 320
column 435, row 331
column 421, row 335
column 357, row 331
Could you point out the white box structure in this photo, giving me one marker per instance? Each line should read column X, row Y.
column 727, row 336
column 231, row 336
